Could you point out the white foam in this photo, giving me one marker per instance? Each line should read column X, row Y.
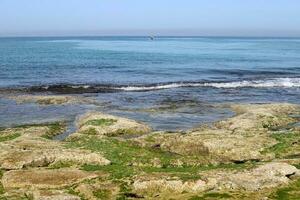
column 268, row 83
column 159, row 87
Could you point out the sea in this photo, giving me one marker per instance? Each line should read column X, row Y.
column 171, row 83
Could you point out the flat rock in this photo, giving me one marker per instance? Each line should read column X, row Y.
column 259, row 117
column 269, row 175
column 43, row 178
column 161, row 186
column 18, row 159
column 218, row 146
column 30, row 150
column 266, row 176
column 149, row 186
column 53, row 195
column 107, row 189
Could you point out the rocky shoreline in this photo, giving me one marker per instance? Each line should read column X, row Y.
column 252, row 155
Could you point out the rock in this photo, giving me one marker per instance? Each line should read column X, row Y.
column 242, row 138
column 30, row 131
column 58, row 197
column 50, row 99
column 98, row 189
column 167, row 167
column 102, row 124
column 213, row 146
column 18, row 159
column 265, row 176
column 43, row 178
column 53, row 195
column 151, row 187
column 254, row 117
column 30, row 150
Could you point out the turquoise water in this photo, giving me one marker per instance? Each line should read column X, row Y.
column 133, row 74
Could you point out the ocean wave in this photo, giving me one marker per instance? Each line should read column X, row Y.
column 104, row 88
column 277, row 82
column 269, row 83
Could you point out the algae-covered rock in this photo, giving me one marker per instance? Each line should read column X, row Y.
column 217, row 146
column 108, row 125
column 266, row 176
column 31, row 150
column 248, row 156
column 244, row 137
column 254, row 117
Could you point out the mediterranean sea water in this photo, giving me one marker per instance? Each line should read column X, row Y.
column 183, row 78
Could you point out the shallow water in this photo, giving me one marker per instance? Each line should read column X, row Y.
column 171, row 83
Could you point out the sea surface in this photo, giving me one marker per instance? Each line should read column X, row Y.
column 170, row 82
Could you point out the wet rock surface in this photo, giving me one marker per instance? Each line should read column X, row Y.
column 50, row 99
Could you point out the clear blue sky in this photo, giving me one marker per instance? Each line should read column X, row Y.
column 144, row 17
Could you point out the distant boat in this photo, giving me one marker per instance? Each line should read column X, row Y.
column 151, row 37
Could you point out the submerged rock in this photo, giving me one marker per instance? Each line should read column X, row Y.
column 50, row 99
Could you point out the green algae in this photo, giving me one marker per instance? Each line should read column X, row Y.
column 60, row 164
column 116, row 171
column 291, row 192
column 129, row 159
column 9, row 137
column 90, row 131
column 102, row 194
column 190, row 172
column 55, row 128
column 126, row 157
column 288, row 145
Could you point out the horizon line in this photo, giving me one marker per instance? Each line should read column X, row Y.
column 152, row 35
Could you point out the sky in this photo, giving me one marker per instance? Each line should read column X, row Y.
column 150, row 17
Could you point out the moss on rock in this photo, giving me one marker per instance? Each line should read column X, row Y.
column 109, row 125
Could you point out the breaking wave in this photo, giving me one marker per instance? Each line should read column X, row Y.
column 104, row 88
column 278, row 82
